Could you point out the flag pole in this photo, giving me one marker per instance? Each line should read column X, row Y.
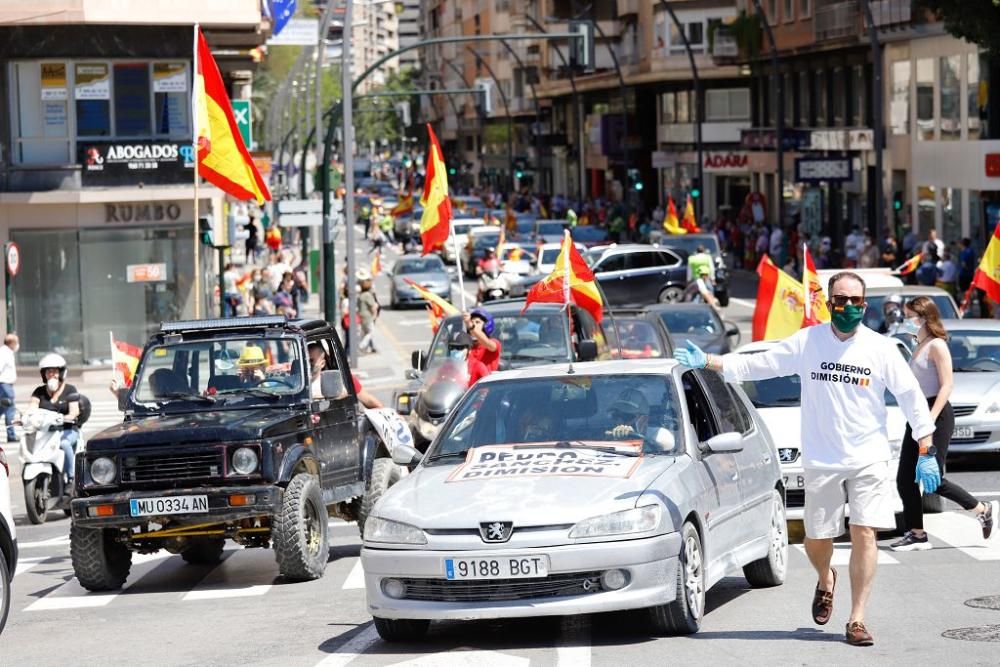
column 194, row 146
column 569, row 316
column 114, row 366
column 806, row 296
column 458, row 262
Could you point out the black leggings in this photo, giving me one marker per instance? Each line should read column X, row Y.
column 909, row 490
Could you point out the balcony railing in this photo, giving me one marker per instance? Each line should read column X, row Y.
column 836, row 21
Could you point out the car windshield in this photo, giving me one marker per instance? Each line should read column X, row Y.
column 698, row 321
column 589, row 234
column 875, row 319
column 549, row 255
column 515, row 254
column 568, row 410
column 975, row 351
column 526, row 339
column 227, row 371
column 464, row 227
column 489, row 240
column 550, row 228
column 431, row 264
column 638, row 338
column 690, row 244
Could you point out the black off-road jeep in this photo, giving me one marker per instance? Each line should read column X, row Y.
column 222, row 439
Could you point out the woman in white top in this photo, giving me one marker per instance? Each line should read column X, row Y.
column 931, row 364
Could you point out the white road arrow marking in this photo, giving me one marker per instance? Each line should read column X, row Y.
column 356, row 579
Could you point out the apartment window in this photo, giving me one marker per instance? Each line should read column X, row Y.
column 727, row 104
column 695, row 35
column 858, row 96
column 683, row 107
column 950, row 91
column 822, row 110
column 839, row 99
column 667, row 113
column 789, row 97
column 805, row 8
column 789, row 14
column 925, row 99
column 899, row 105
column 976, row 96
column 805, row 100
column 772, row 11
column 951, row 216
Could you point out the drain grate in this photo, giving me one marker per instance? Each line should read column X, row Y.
column 987, row 602
column 983, row 633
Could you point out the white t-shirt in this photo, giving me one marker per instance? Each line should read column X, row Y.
column 8, row 365
column 843, row 392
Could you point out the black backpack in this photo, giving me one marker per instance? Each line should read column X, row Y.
column 84, row 411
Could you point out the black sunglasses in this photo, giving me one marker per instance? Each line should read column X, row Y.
column 841, row 300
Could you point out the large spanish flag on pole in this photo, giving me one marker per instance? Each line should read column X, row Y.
column 780, row 305
column 571, row 281
column 987, row 276
column 435, row 223
column 816, row 311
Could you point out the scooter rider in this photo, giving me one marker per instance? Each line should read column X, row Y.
column 58, row 396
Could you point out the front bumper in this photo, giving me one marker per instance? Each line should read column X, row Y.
column 651, row 564
column 985, row 438
column 267, row 501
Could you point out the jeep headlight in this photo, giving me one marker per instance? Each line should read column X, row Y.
column 103, row 470
column 244, row 461
column 392, row 532
column 637, row 520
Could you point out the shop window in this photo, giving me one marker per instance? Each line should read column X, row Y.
column 899, row 105
column 977, row 221
column 950, row 91
column 925, row 99
column 41, row 121
column 683, row 107
column 667, row 113
column 951, row 216
column 926, row 203
column 977, row 97
column 728, row 104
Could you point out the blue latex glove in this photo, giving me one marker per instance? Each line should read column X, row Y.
column 928, row 473
column 691, row 356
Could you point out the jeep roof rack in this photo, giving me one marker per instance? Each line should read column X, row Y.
column 223, row 323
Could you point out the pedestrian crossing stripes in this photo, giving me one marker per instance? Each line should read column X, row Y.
column 962, row 531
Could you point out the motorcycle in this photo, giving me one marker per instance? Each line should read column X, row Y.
column 443, row 387
column 493, row 284
column 45, row 487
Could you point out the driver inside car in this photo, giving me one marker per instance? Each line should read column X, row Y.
column 251, row 365
column 630, row 414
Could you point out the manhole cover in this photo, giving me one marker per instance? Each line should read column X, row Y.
column 987, row 602
column 984, row 633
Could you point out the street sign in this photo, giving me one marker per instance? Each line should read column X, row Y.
column 244, row 121
column 819, row 169
column 13, row 258
column 297, row 32
column 286, row 206
column 301, row 220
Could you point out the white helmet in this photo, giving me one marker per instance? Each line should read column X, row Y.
column 52, row 360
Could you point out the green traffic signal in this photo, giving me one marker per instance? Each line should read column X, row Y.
column 452, row 171
column 519, row 174
column 638, row 186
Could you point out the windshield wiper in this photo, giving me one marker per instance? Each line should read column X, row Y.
column 178, row 395
column 448, row 455
column 261, row 393
column 578, row 444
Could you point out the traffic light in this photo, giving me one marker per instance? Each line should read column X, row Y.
column 695, row 188
column 635, row 180
column 205, row 230
column 897, row 201
column 452, row 171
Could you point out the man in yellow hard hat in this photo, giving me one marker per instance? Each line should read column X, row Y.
column 251, row 365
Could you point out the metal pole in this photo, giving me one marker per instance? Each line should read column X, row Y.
column 506, row 108
column 222, row 281
column 699, row 102
column 348, row 152
column 779, row 115
column 877, row 120
column 538, row 116
column 330, row 311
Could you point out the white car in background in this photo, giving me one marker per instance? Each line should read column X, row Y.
column 778, row 402
column 547, row 254
column 461, row 226
column 517, row 260
column 8, row 541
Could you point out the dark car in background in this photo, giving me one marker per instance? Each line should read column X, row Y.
column 698, row 322
column 637, row 275
column 689, row 243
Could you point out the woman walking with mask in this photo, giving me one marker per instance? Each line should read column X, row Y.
column 931, row 364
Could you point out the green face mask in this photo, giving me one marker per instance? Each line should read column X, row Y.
column 848, row 318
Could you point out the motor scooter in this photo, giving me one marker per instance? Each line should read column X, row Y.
column 45, row 486
column 493, row 284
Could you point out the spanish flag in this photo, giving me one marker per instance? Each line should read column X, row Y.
column 780, row 306
column 125, row 359
column 435, row 223
column 437, row 308
column 404, row 207
column 223, row 159
column 689, row 223
column 987, row 276
column 910, row 265
column 571, row 281
column 670, row 222
column 377, row 263
column 816, row 311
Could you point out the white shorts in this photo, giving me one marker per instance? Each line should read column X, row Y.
column 869, row 492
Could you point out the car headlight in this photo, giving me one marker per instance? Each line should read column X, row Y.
column 392, row 532
column 636, row 520
column 103, row 470
column 244, row 461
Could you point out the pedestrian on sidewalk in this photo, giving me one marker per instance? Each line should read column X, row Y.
column 931, row 364
column 8, row 378
column 947, row 275
column 845, row 369
column 368, row 310
column 251, row 241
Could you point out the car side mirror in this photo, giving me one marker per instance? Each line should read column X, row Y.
column 404, row 404
column 331, row 384
column 586, row 350
column 406, row 456
column 417, row 360
column 724, row 443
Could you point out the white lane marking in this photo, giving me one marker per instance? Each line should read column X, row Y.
column 356, row 579
column 53, row 542
column 991, row 494
column 962, row 531
column 237, row 577
column 348, row 651
column 466, row 658
column 72, row 595
column 573, row 647
column 842, row 555
column 742, row 302
column 413, row 322
column 25, row 564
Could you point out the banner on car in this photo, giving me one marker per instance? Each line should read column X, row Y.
column 499, row 461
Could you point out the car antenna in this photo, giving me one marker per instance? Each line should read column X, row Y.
column 569, row 339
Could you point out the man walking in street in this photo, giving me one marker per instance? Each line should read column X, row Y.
column 8, row 377
column 845, row 369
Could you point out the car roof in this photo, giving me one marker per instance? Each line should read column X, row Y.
column 971, row 325
column 916, row 290
column 236, row 324
column 512, row 306
column 665, row 307
column 482, row 231
column 610, row 367
column 469, row 221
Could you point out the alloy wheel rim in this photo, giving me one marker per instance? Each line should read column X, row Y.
column 692, row 576
column 312, row 528
column 779, row 537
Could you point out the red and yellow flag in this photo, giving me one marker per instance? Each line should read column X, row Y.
column 404, row 207
column 780, row 305
column 437, row 308
column 571, row 281
column 689, row 223
column 435, row 223
column 816, row 311
column 223, row 159
column 670, row 222
column 125, row 359
column 910, row 265
column 377, row 263
column 987, row 276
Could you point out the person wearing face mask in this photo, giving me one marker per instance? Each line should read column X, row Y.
column 630, row 414
column 459, row 347
column 845, row 369
column 931, row 364
column 8, row 377
column 58, row 396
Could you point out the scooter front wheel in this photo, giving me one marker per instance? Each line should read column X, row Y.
column 36, row 498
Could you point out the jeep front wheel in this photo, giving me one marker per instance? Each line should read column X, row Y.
column 300, row 532
column 385, row 473
column 99, row 561
column 204, row 552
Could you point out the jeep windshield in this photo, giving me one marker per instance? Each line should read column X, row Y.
column 234, row 372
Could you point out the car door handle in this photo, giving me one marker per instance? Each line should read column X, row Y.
column 767, row 459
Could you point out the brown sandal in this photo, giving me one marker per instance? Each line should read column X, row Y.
column 822, row 604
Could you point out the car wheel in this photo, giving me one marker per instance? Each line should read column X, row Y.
column 932, row 503
column 4, row 591
column 300, row 531
column 36, row 499
column 100, row 562
column 683, row 615
column 401, row 629
column 770, row 570
column 671, row 295
column 204, row 552
column 385, row 473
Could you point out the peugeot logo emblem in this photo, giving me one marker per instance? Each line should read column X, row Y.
column 496, row 531
column 787, row 454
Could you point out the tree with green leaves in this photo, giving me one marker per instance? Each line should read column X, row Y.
column 977, row 21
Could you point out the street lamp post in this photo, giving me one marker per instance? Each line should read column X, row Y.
column 506, row 108
column 779, row 112
column 877, row 119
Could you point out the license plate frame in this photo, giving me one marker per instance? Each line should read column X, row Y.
column 478, row 568
column 794, row 481
column 963, row 433
column 167, row 505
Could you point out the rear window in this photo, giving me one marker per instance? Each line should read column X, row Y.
column 639, row 339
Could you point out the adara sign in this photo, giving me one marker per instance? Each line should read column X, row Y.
column 726, row 161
